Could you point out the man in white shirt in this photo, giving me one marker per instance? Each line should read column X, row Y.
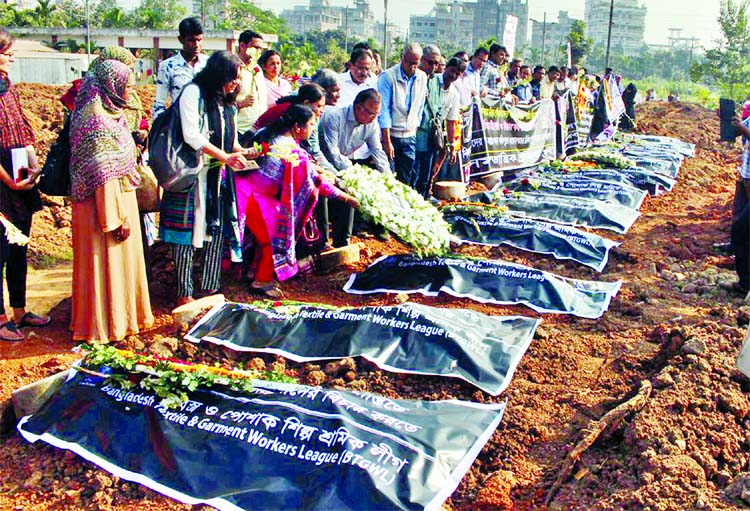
column 474, row 70
column 454, row 68
column 451, row 106
column 252, row 98
column 179, row 70
column 358, row 77
column 547, row 85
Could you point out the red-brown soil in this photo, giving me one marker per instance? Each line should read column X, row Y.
column 674, row 323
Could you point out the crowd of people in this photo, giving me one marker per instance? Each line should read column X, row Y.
column 270, row 154
column 266, row 190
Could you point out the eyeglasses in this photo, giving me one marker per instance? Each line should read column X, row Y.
column 361, row 67
column 371, row 114
column 432, row 62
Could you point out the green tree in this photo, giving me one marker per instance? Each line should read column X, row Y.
column 243, row 15
column 10, row 16
column 69, row 13
column 108, row 14
column 580, row 45
column 43, row 13
column 158, row 14
column 727, row 65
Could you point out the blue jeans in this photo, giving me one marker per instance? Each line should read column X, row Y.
column 405, row 151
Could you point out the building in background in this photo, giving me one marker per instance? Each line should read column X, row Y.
column 359, row 20
column 449, row 21
column 490, row 16
column 628, row 25
column 467, row 24
column 318, row 16
column 356, row 19
column 20, row 4
column 550, row 36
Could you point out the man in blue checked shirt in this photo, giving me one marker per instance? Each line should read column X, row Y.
column 178, row 71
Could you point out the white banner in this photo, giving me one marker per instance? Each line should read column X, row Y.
column 509, row 36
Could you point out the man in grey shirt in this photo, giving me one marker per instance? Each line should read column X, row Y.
column 341, row 132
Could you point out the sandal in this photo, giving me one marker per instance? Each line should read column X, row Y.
column 31, row 319
column 10, row 332
column 267, row 289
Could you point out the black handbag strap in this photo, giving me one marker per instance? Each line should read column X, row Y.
column 429, row 106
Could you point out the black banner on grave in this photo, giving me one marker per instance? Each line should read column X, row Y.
column 282, row 447
column 653, row 182
column 487, row 281
column 567, row 127
column 561, row 241
column 623, row 194
column 409, row 338
column 506, row 137
column 570, row 210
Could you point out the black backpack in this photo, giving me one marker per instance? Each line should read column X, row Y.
column 174, row 162
column 55, row 178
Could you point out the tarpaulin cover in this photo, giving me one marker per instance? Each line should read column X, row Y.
column 409, row 338
column 282, row 447
column 561, row 241
column 488, row 281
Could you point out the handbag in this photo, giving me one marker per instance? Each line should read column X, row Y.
column 55, row 177
column 310, row 241
column 147, row 192
column 437, row 137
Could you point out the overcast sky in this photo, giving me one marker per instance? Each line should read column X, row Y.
column 697, row 18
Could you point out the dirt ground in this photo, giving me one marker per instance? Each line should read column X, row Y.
column 675, row 323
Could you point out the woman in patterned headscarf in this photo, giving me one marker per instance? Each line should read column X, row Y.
column 134, row 112
column 110, row 291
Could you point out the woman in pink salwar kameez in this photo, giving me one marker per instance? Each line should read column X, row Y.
column 283, row 194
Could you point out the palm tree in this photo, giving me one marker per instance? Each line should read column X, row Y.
column 114, row 18
column 43, row 12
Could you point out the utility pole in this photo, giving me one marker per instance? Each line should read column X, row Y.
column 544, row 33
column 385, row 35
column 559, row 45
column 692, row 47
column 609, row 32
column 88, row 35
column 346, row 30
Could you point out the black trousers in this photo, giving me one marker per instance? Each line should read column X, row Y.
column 741, row 245
column 13, row 264
column 340, row 215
